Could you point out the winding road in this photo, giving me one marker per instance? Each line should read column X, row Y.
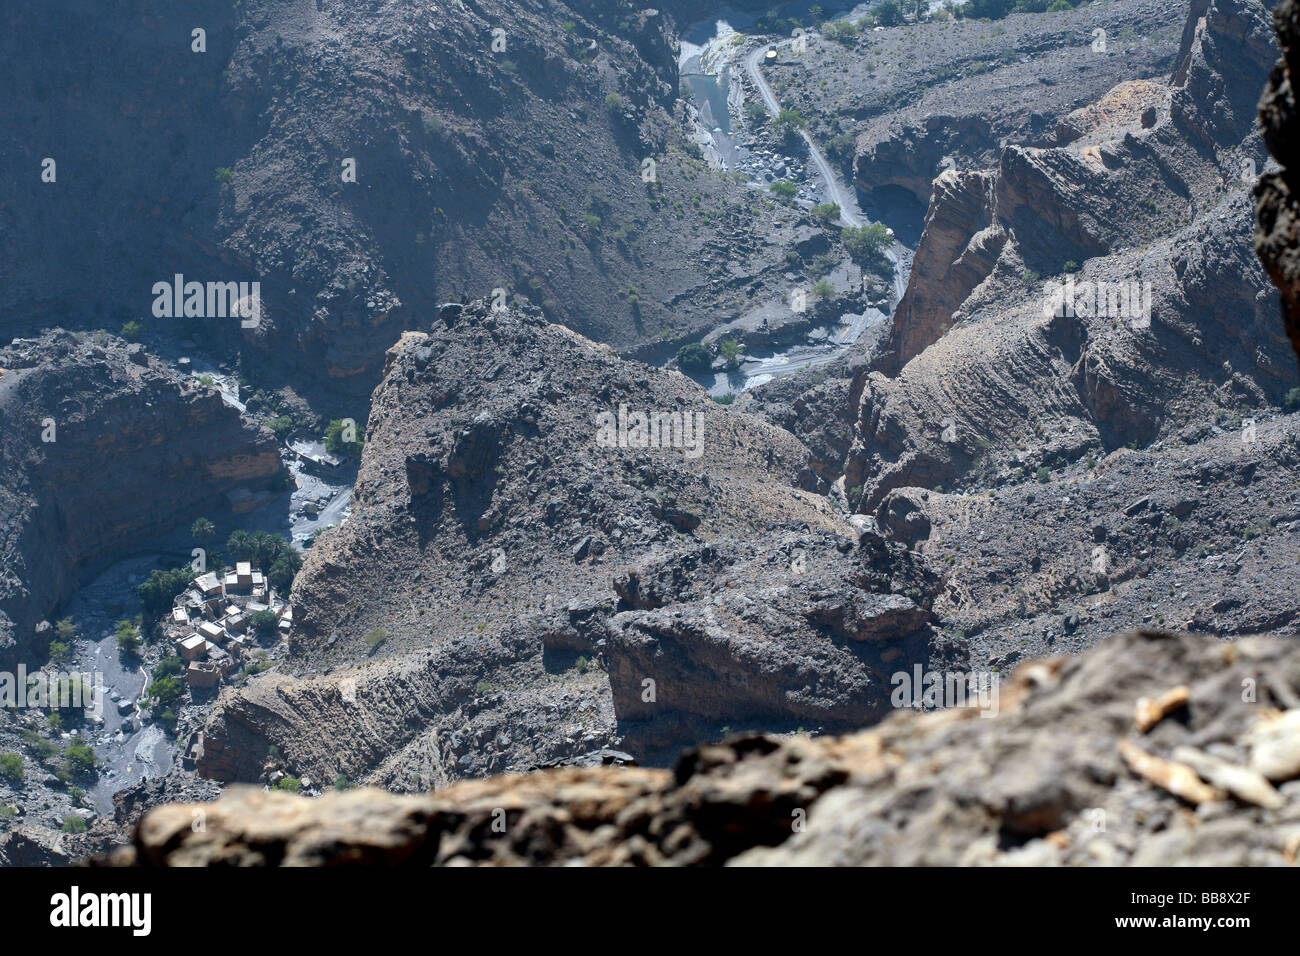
column 836, row 191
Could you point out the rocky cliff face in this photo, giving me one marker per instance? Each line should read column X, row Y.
column 103, row 449
column 1145, row 189
column 1151, row 750
column 1277, row 233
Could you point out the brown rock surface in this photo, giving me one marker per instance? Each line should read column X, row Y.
column 1043, row 782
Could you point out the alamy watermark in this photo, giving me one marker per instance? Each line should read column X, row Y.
column 651, row 429
column 52, row 690
column 1128, row 301
column 933, row 690
column 208, row 300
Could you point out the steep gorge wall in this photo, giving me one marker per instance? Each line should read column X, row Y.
column 134, row 451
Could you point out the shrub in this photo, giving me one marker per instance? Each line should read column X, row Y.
column 1044, row 475
column 1292, row 401
column 784, row 189
column 224, row 174
column 132, row 331
column 375, row 637
column 74, row 824
column 842, row 31
column 827, row 212
column 614, row 102
column 66, row 629
column 264, row 623
column 694, row 356
column 823, row 289
column 866, row 244
column 334, row 439
column 79, row 759
column 128, row 637
column 290, row 784
column 11, row 767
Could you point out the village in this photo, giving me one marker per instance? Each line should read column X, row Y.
column 216, row 622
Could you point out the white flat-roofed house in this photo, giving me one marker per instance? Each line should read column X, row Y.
column 243, row 575
column 212, row 632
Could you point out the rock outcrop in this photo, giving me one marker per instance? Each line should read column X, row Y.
column 1277, row 233
column 92, row 423
column 1151, row 750
column 1104, row 281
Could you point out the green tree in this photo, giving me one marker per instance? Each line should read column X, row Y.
column 866, row 244
column 730, row 350
column 337, row 433
column 281, row 426
column 66, row 630
column 169, row 666
column 694, row 357
column 890, row 13
column 264, row 623
column 128, row 637
column 202, row 530
column 160, row 589
column 284, row 569
column 79, row 759
column 167, row 691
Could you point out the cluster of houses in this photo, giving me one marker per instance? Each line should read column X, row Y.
column 209, row 623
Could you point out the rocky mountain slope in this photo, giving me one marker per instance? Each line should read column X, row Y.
column 985, row 370
column 1151, row 750
column 513, row 586
column 496, row 145
column 901, row 104
column 91, row 423
column 1080, row 420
